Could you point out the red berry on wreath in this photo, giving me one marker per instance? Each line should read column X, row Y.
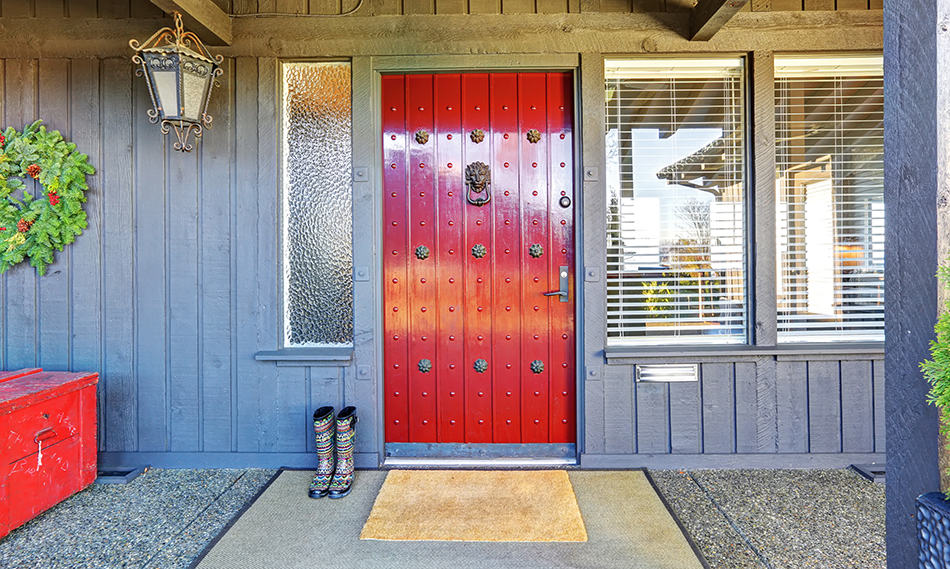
column 33, row 170
column 2, row 140
column 53, row 199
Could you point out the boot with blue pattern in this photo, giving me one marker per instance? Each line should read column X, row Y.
column 342, row 481
column 323, row 425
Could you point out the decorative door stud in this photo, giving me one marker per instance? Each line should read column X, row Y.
column 479, row 257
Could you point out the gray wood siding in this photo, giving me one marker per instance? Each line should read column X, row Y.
column 175, row 284
column 173, row 287
column 761, row 405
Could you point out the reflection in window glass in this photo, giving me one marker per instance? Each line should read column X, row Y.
column 675, row 214
column 829, row 115
column 317, row 204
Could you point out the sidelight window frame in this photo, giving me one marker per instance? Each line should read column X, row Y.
column 332, row 350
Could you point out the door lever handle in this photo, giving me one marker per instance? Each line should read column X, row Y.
column 565, row 285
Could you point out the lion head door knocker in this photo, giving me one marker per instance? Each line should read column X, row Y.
column 478, row 180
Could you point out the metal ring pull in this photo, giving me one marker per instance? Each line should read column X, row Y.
column 478, row 180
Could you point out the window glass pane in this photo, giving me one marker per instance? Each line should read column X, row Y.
column 317, row 205
column 829, row 115
column 676, row 188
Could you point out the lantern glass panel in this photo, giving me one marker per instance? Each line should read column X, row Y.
column 163, row 69
column 196, row 77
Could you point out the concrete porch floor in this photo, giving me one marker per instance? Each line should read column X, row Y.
column 740, row 519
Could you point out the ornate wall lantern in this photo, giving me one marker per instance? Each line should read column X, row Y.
column 180, row 72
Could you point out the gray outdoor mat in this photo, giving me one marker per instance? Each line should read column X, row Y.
column 627, row 523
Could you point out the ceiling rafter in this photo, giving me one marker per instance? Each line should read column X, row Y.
column 203, row 17
column 709, row 16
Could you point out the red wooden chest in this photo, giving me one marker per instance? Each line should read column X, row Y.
column 50, row 453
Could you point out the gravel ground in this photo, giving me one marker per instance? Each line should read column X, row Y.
column 740, row 519
column 163, row 519
column 780, row 519
column 721, row 544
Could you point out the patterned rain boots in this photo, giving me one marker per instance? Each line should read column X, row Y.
column 345, row 433
column 323, row 429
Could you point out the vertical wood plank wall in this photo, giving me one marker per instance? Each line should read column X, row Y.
column 174, row 286
column 751, row 405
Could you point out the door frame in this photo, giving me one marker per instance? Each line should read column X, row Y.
column 367, row 93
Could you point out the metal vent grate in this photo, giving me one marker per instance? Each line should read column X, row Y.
column 667, row 373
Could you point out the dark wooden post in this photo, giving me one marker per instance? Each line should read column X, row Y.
column 916, row 135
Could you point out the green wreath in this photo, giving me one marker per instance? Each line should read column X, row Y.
column 36, row 226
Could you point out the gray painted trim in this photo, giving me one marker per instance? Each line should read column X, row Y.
column 741, row 460
column 580, row 422
column 369, row 90
column 372, row 85
column 591, row 222
column 343, row 354
column 591, row 461
column 224, row 459
column 469, row 450
column 367, row 300
column 839, row 348
column 484, row 62
column 831, row 356
column 625, row 355
column 761, row 217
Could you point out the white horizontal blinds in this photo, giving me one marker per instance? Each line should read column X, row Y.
column 830, row 198
column 675, row 213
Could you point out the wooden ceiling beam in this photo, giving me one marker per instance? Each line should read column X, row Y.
column 203, row 17
column 709, row 16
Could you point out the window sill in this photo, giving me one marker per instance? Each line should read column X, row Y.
column 328, row 356
column 621, row 355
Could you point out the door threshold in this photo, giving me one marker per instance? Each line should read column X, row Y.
column 474, row 455
column 393, row 462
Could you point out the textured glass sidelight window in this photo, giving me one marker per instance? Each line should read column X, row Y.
column 317, row 204
column 676, row 224
column 829, row 153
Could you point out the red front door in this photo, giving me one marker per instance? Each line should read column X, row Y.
column 474, row 350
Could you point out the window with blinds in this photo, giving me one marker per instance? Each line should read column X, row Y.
column 676, row 223
column 829, row 113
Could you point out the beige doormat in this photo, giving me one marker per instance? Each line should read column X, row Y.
column 476, row 505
